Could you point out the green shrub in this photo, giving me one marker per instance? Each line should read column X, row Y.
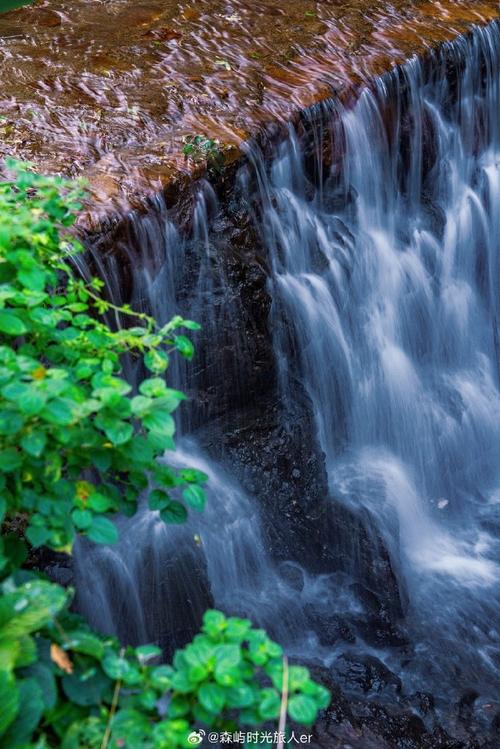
column 77, row 445
column 63, row 685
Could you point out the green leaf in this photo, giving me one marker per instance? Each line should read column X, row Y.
column 302, row 709
column 227, row 656
column 85, row 642
column 15, row 391
column 19, row 731
column 34, row 443
column 160, row 422
column 58, row 411
column 82, row 519
column 156, row 361
column 32, row 401
column 10, row 459
column 152, row 387
column 184, row 346
column 44, row 677
column 158, row 500
column 83, row 732
column 9, row 700
column 27, row 652
column 37, row 535
column 320, row 694
column 161, row 677
column 132, row 728
column 190, row 325
column 9, row 651
column 240, row 696
column 237, row 629
column 15, row 550
column 10, row 422
column 146, row 653
column 30, row 607
column 86, row 691
column 148, row 699
column 99, row 503
column 178, row 707
column 32, row 278
column 195, row 497
column 11, row 324
column 141, row 405
column 214, row 622
column 102, row 531
column 297, row 677
column 119, row 432
column 227, row 662
column 212, row 697
column 175, row 512
column 193, row 476
column 269, row 705
column 115, row 666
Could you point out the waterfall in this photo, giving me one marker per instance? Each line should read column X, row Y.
column 380, row 223
column 384, row 282
column 156, row 583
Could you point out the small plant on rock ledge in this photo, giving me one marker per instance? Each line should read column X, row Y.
column 200, row 149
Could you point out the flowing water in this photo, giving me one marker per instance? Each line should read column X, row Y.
column 394, row 306
column 383, row 243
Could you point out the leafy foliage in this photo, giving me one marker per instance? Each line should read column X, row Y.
column 77, row 445
column 62, row 685
column 200, row 149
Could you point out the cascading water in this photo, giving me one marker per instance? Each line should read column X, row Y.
column 383, row 242
column 387, row 275
column 156, row 583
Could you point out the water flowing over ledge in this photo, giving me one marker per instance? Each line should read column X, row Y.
column 110, row 89
column 348, row 288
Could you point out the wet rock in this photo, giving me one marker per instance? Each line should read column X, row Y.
column 261, row 445
column 424, row 702
column 293, row 575
column 367, row 717
column 58, row 566
column 365, row 673
column 466, row 706
column 332, row 629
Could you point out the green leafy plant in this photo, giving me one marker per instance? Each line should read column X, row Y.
column 63, row 685
column 77, row 445
column 199, row 149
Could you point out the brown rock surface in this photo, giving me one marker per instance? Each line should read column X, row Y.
column 109, row 89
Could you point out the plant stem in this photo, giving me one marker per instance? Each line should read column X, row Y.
column 284, row 704
column 114, row 705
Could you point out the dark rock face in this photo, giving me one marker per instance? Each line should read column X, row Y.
column 373, row 719
column 230, row 300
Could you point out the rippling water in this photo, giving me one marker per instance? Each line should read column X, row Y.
column 109, row 88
